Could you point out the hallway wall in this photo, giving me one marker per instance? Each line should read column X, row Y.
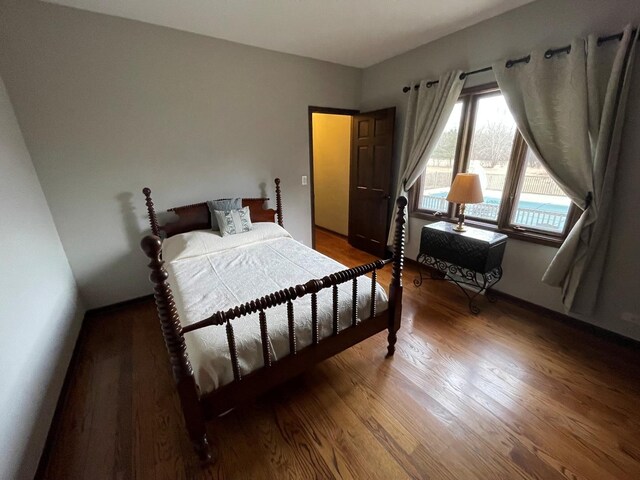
column 331, row 156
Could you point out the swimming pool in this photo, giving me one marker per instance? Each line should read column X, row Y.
column 542, row 212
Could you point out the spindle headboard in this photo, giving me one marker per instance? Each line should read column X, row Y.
column 197, row 217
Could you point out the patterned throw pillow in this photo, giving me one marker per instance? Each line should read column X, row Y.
column 225, row 204
column 233, row 221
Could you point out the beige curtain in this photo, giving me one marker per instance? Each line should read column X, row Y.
column 428, row 109
column 570, row 110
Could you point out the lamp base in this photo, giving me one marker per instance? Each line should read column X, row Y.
column 460, row 226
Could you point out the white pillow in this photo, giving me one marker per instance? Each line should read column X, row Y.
column 204, row 242
column 232, row 222
column 190, row 244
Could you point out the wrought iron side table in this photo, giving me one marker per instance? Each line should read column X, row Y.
column 471, row 259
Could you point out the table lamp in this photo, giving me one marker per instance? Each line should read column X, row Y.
column 465, row 189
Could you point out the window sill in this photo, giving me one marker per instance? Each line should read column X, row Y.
column 525, row 236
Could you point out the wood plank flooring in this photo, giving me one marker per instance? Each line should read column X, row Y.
column 506, row 394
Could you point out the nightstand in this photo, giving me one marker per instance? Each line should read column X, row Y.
column 471, row 259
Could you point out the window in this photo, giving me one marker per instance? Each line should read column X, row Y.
column 540, row 204
column 492, row 139
column 520, row 197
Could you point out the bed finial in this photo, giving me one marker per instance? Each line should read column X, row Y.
column 278, row 202
column 174, row 341
column 395, row 289
column 153, row 220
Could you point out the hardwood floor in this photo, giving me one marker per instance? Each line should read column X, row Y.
column 505, row 394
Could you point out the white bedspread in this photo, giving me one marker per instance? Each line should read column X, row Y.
column 209, row 273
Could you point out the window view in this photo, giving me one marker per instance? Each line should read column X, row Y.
column 439, row 171
column 540, row 203
column 491, row 144
column 539, row 207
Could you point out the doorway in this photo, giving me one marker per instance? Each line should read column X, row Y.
column 351, row 164
column 330, row 158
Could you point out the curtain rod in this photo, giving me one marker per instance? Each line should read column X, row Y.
column 510, row 63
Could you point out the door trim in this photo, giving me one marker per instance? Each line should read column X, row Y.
column 331, row 111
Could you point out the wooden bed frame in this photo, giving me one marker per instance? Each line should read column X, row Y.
column 198, row 408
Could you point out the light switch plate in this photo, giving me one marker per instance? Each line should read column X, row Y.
column 304, row 180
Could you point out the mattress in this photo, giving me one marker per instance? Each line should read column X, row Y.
column 208, row 273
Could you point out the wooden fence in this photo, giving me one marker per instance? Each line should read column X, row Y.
column 526, row 217
column 539, row 184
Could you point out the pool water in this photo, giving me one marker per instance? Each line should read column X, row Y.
column 551, row 207
column 541, row 212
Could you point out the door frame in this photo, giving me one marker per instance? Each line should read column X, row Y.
column 331, row 111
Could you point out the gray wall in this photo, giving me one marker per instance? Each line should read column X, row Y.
column 548, row 23
column 109, row 105
column 40, row 312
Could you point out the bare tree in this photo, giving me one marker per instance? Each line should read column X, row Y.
column 446, row 147
column 492, row 144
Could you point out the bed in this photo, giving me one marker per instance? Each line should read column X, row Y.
column 242, row 313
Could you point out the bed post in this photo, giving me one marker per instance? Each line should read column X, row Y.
column 395, row 289
column 278, row 202
column 153, row 220
column 174, row 340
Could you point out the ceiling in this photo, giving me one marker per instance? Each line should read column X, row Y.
column 358, row 33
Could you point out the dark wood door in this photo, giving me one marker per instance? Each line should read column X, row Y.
column 370, row 183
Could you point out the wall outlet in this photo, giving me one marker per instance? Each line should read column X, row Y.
column 631, row 317
column 305, row 180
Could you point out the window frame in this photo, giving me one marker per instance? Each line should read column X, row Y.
column 513, row 180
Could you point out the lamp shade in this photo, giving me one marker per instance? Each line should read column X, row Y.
column 466, row 189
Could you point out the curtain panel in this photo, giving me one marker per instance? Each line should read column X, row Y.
column 428, row 109
column 570, row 110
